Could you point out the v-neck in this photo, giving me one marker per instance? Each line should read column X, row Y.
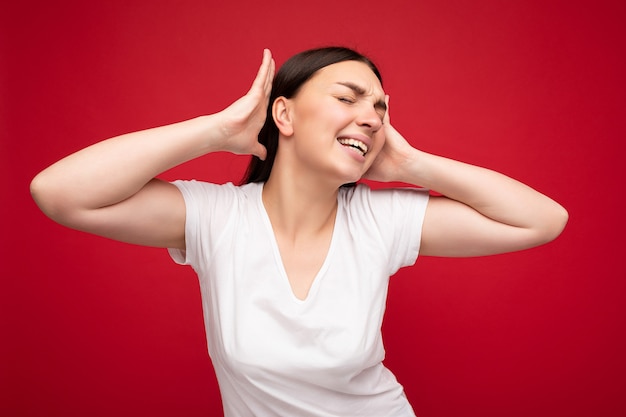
column 284, row 277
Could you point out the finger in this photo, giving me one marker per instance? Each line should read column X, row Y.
column 386, row 116
column 261, row 77
column 270, row 77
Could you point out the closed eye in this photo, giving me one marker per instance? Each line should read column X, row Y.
column 380, row 109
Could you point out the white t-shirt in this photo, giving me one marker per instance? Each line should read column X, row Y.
column 277, row 355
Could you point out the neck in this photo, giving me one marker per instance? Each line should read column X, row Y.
column 299, row 205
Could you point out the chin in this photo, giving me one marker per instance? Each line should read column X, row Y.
column 345, row 174
column 350, row 177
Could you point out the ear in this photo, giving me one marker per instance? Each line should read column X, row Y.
column 281, row 112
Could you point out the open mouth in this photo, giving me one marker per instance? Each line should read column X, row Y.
column 355, row 144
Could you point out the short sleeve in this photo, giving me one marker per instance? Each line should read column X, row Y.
column 207, row 208
column 397, row 217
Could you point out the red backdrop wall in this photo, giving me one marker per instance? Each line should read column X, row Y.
column 535, row 89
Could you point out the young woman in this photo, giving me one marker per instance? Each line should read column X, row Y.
column 294, row 264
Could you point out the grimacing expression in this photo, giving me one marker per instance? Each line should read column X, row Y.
column 335, row 121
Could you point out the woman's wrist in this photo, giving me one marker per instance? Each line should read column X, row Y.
column 410, row 169
column 210, row 135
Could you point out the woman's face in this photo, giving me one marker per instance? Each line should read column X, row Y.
column 337, row 121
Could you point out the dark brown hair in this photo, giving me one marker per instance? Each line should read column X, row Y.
column 290, row 77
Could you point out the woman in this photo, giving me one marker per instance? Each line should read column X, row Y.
column 294, row 265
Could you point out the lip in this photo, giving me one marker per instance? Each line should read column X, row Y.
column 360, row 137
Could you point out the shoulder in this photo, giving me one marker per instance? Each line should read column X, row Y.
column 363, row 193
column 202, row 189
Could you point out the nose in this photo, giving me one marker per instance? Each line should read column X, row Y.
column 369, row 118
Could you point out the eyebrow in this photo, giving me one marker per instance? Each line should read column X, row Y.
column 358, row 90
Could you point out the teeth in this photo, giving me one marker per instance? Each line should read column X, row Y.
column 357, row 144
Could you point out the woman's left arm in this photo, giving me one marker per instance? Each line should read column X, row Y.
column 481, row 212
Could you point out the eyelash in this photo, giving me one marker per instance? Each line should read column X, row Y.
column 349, row 100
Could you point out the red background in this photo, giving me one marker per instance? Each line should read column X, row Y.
column 535, row 89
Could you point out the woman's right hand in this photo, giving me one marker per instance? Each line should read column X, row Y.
column 241, row 122
column 109, row 188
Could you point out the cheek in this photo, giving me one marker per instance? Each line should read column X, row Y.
column 313, row 118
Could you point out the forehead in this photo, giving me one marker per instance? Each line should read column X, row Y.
column 353, row 72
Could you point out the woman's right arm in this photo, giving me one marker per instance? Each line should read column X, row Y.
column 109, row 189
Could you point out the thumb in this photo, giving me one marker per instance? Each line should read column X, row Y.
column 259, row 151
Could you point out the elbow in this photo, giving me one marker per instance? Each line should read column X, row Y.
column 49, row 198
column 554, row 224
column 41, row 195
column 561, row 217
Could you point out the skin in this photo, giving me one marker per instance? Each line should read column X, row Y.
column 109, row 188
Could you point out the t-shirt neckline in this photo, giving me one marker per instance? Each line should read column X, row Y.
column 284, row 278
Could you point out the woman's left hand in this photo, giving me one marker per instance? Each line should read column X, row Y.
column 479, row 212
column 395, row 155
